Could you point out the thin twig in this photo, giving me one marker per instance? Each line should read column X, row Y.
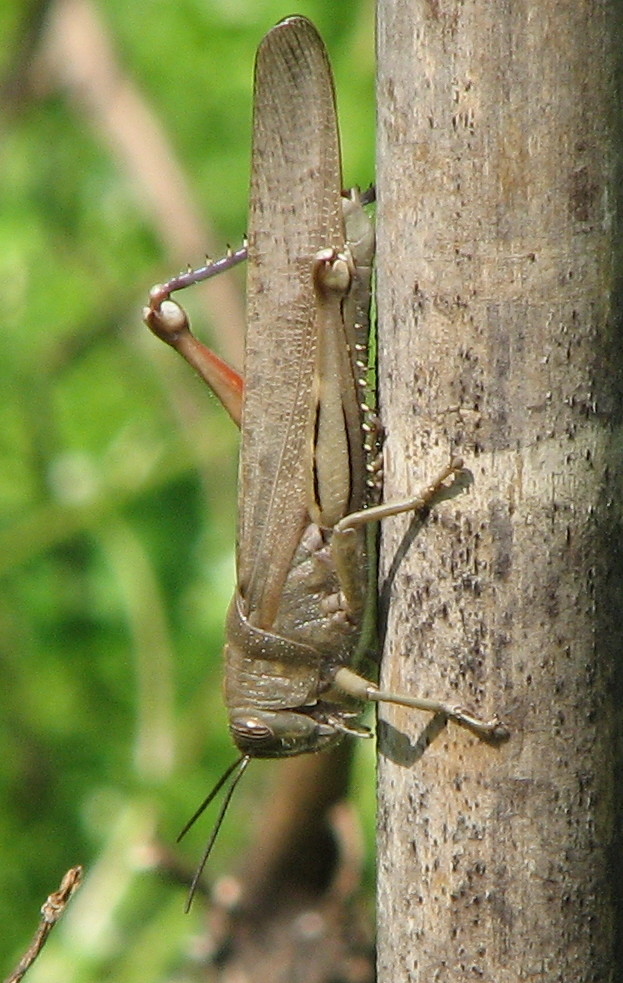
column 51, row 911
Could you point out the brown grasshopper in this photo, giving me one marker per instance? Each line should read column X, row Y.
column 299, row 624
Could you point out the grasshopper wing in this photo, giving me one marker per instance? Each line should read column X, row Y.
column 295, row 211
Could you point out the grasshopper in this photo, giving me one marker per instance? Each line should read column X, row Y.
column 298, row 626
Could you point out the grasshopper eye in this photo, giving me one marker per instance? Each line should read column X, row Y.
column 251, row 728
column 280, row 734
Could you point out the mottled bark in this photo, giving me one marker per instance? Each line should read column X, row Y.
column 499, row 340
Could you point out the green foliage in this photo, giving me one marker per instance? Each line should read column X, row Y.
column 116, row 534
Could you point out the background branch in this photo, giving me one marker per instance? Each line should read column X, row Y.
column 51, row 911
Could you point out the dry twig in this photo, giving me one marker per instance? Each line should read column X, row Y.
column 51, row 911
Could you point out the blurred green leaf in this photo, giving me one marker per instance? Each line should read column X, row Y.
column 118, row 471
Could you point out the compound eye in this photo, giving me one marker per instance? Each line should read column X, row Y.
column 252, row 728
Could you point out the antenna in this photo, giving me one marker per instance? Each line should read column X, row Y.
column 240, row 764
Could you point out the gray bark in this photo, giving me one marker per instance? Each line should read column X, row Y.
column 498, row 257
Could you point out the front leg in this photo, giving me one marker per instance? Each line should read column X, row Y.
column 348, row 681
column 362, row 689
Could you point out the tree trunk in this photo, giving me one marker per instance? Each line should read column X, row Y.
column 498, row 246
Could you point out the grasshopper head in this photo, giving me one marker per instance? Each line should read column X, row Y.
column 280, row 733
